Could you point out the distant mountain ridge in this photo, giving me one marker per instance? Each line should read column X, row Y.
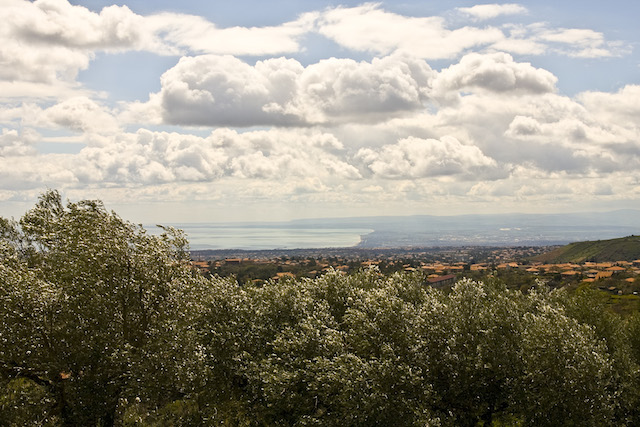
column 621, row 217
column 621, row 249
column 512, row 229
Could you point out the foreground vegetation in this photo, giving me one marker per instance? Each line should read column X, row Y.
column 103, row 324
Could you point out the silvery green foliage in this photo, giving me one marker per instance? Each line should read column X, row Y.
column 373, row 350
column 102, row 323
column 84, row 295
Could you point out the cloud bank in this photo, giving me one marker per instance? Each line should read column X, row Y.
column 244, row 115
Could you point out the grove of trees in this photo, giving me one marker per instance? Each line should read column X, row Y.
column 102, row 323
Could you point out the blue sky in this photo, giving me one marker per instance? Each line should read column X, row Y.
column 232, row 111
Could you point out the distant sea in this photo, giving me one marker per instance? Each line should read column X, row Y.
column 415, row 231
column 258, row 237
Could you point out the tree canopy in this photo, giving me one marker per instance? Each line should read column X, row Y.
column 102, row 323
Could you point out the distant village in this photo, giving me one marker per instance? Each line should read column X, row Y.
column 439, row 266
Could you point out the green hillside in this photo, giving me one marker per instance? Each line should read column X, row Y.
column 622, row 249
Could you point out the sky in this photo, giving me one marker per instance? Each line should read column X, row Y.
column 192, row 111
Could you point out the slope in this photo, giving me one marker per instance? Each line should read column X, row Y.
column 621, row 249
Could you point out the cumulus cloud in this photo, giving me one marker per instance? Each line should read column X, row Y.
column 390, row 128
column 496, row 72
column 385, row 86
column 89, row 120
column 12, row 144
column 275, row 156
column 621, row 107
column 211, row 89
column 81, row 114
column 595, row 133
column 593, row 121
column 582, row 135
column 420, row 158
column 46, row 43
column 51, row 40
column 115, row 28
column 21, row 169
column 147, row 157
column 222, row 90
column 57, row 22
column 494, row 107
column 39, row 65
column 523, row 126
column 533, row 186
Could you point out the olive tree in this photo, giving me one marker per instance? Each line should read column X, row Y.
column 102, row 323
column 84, row 297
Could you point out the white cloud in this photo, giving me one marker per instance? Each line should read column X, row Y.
column 532, row 186
column 222, row 90
column 23, row 171
column 524, row 126
column 197, row 35
column 496, row 72
column 92, row 122
column 47, row 41
column 539, row 39
column 487, row 127
column 593, row 134
column 582, row 43
column 42, row 64
column 56, row 22
column 151, row 157
column 360, row 28
column 81, row 114
column 421, row 158
column 573, row 36
column 483, row 12
column 12, row 144
column 211, row 89
column 518, row 41
column 622, row 107
column 341, row 90
column 10, row 91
